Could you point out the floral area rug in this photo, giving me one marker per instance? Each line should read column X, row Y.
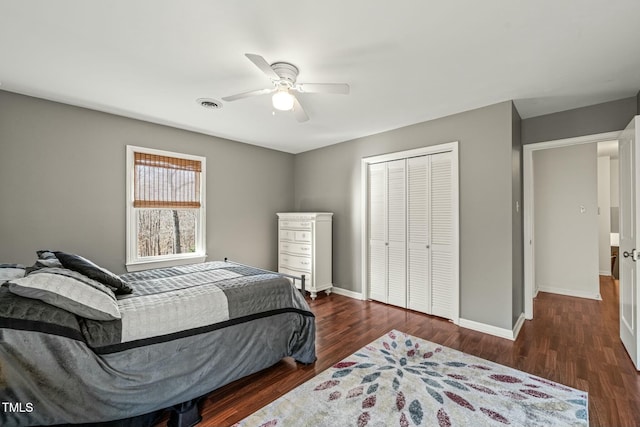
column 401, row 380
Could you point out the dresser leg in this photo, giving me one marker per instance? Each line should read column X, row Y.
column 328, row 291
column 313, row 295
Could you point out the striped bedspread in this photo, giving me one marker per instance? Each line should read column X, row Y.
column 179, row 301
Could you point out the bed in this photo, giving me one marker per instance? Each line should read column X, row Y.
column 179, row 334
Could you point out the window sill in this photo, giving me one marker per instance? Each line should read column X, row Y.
column 171, row 262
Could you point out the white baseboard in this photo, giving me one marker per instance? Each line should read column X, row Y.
column 469, row 324
column 347, row 293
column 510, row 334
column 518, row 326
column 570, row 292
column 605, row 273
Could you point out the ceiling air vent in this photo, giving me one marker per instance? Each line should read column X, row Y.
column 209, row 103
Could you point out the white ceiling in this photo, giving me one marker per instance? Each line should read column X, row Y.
column 406, row 61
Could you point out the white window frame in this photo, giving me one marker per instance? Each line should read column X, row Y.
column 135, row 263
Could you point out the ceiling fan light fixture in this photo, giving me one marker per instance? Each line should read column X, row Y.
column 282, row 100
column 283, row 76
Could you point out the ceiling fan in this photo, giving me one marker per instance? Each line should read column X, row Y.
column 283, row 77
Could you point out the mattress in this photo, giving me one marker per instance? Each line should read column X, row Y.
column 183, row 332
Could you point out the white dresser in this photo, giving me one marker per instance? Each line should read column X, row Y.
column 304, row 247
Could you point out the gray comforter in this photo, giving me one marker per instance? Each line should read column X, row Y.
column 184, row 332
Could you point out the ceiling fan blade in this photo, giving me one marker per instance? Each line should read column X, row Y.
column 248, row 94
column 298, row 111
column 262, row 63
column 339, row 88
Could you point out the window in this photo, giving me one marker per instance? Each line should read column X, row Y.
column 165, row 208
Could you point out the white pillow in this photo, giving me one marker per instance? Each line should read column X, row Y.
column 11, row 271
column 70, row 291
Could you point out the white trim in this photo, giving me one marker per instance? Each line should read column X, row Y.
column 510, row 334
column 569, row 292
column 364, row 184
column 529, row 244
column 518, row 326
column 422, row 151
column 463, row 323
column 133, row 263
column 347, row 293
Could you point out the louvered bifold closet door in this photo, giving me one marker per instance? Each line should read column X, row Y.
column 396, row 233
column 377, row 232
column 418, row 266
column 442, row 234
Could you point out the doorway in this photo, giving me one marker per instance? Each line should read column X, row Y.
column 529, row 206
column 608, row 209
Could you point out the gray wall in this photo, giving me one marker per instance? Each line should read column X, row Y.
column 328, row 179
column 615, row 185
column 517, row 223
column 62, row 170
column 600, row 118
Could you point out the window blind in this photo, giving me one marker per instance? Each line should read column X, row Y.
column 166, row 182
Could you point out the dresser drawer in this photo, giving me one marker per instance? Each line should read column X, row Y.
column 296, row 225
column 295, row 248
column 302, row 236
column 299, row 263
column 295, row 235
column 287, row 235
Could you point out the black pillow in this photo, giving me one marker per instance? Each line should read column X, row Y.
column 45, row 259
column 45, row 254
column 93, row 271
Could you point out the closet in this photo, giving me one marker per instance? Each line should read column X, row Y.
column 411, row 227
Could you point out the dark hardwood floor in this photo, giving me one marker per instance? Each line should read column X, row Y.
column 573, row 341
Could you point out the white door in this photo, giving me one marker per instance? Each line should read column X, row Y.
column 410, row 230
column 387, row 232
column 418, row 268
column 432, row 288
column 377, row 221
column 629, row 240
column 443, row 286
column 396, row 233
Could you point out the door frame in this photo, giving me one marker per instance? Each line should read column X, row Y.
column 528, row 205
column 364, row 186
